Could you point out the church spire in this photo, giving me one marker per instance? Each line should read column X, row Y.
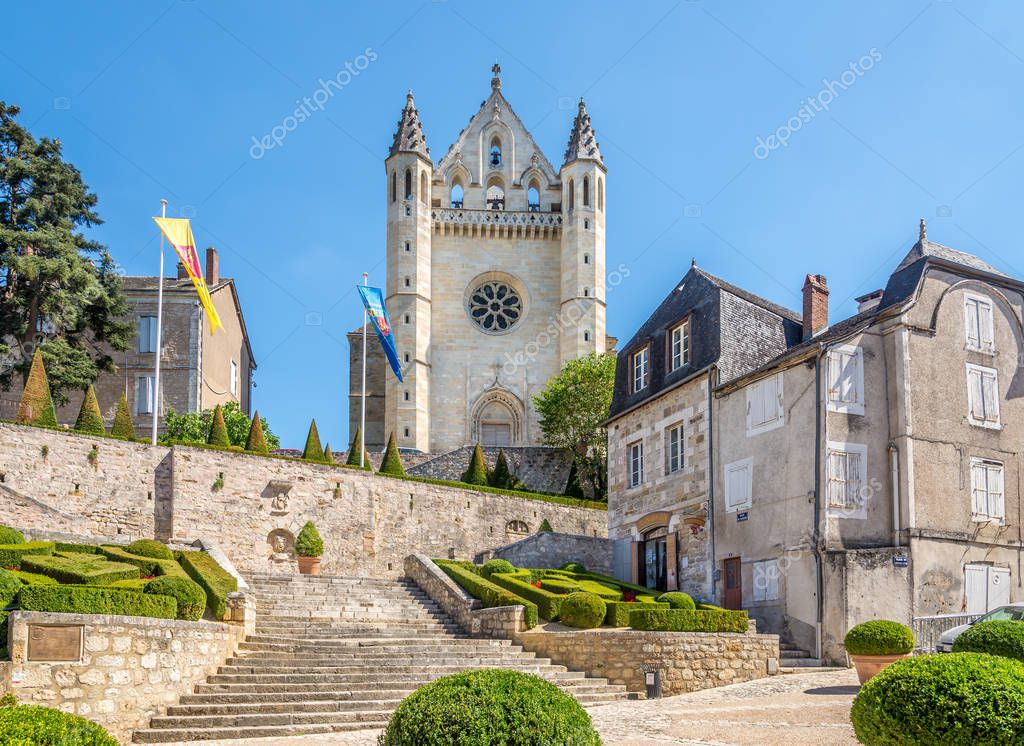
column 496, row 79
column 582, row 140
column 409, row 136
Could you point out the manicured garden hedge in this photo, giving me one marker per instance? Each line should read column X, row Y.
column 29, row 724
column 10, row 535
column 492, row 566
column 583, row 610
column 879, row 637
column 490, row 595
column 150, row 548
column 548, row 603
column 189, row 595
column 215, row 580
column 1004, row 637
column 11, row 554
column 79, row 569
column 677, row 600
column 61, row 546
column 617, row 612
column 146, row 565
column 682, row 620
column 84, row 599
column 9, row 587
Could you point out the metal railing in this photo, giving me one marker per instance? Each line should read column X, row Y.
column 928, row 629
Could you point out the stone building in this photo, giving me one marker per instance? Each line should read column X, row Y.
column 871, row 468
column 495, row 278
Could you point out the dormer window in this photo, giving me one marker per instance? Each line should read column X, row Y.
column 641, row 364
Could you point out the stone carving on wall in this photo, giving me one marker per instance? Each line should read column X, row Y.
column 278, row 493
column 282, row 545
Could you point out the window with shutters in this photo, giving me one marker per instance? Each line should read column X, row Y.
column 846, row 379
column 144, row 394
column 679, row 341
column 979, row 327
column 641, row 368
column 987, row 502
column 739, row 485
column 766, row 581
column 982, row 396
column 636, row 463
column 147, row 333
column 765, row 405
column 847, row 472
column 674, row 456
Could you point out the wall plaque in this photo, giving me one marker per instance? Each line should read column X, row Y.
column 48, row 642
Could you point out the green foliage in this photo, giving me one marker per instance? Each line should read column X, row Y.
column 256, row 439
column 490, row 594
column 12, row 554
column 677, row 600
column 682, row 620
column 501, row 477
column 573, row 567
column 879, row 637
column 545, row 527
column 392, row 463
column 1004, row 637
column 8, row 700
column 150, row 548
column 36, row 405
column 328, row 456
column 80, row 569
column 32, row 578
column 490, row 706
column 573, row 488
column 218, row 430
column 604, row 590
column 522, row 494
column 548, row 603
column 313, row 451
column 945, row 700
column 123, row 427
column 583, row 610
column 10, row 535
column 32, row 725
column 617, row 612
column 563, row 586
column 496, row 565
column 88, row 599
column 215, row 580
column 190, row 595
column 146, row 565
column 476, row 472
column 353, row 452
column 90, row 418
column 194, row 427
column 61, row 546
column 572, row 407
column 9, row 587
column 308, row 543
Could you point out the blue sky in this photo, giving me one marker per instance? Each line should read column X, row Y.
column 163, row 99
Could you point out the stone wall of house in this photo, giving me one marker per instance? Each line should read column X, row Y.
column 128, row 670
column 550, row 549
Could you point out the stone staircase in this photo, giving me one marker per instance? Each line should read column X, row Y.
column 336, row 654
column 794, row 659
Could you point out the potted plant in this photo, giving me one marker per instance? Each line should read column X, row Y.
column 874, row 645
column 309, row 548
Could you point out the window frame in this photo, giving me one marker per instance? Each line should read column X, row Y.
column 150, row 399
column 780, row 411
column 151, row 324
column 856, row 406
column 644, row 370
column 635, row 465
column 986, row 422
column 765, row 592
column 846, row 510
column 979, row 301
column 679, row 430
column 747, row 500
column 686, row 351
column 989, row 466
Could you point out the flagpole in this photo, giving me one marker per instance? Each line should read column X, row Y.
column 159, row 327
column 362, row 400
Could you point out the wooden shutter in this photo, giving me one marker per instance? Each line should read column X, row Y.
column 990, row 395
column 996, row 508
column 985, row 326
column 979, row 497
column 976, row 588
column 976, row 394
column 998, row 587
column 972, row 322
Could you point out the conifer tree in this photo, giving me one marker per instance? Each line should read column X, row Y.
column 256, row 442
column 477, row 471
column 353, row 452
column 218, row 430
column 90, row 418
column 501, row 477
column 545, row 527
column 573, row 488
column 313, row 451
column 392, row 463
column 123, row 426
column 36, row 405
column 328, row 456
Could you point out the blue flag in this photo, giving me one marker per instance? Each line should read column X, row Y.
column 373, row 299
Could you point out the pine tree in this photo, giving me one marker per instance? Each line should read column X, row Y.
column 313, row 451
column 36, row 405
column 573, row 488
column 256, row 442
column 545, row 527
column 477, row 471
column 328, row 456
column 218, row 430
column 353, row 452
column 90, row 418
column 123, row 426
column 392, row 463
column 501, row 477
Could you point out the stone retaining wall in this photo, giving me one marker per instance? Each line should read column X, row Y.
column 129, row 669
column 552, row 549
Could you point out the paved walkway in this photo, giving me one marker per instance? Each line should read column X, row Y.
column 810, row 709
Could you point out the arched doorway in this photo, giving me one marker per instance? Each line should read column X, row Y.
column 497, row 419
column 653, row 559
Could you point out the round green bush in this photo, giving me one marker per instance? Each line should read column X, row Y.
column 490, row 706
column 29, row 724
column 677, row 600
column 954, row 698
column 879, row 637
column 150, row 548
column 190, row 595
column 1005, row 638
column 496, row 565
column 308, row 543
column 573, row 567
column 583, row 610
column 10, row 535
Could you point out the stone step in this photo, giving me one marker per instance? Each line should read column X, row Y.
column 809, row 669
column 357, row 665
column 298, row 720
column 354, row 643
column 804, row 662
column 191, row 734
column 339, row 676
column 360, row 681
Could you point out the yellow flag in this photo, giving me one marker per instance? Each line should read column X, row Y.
column 179, row 233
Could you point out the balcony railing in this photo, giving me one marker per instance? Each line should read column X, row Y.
column 928, row 629
column 528, row 218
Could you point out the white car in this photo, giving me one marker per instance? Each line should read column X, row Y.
column 1013, row 612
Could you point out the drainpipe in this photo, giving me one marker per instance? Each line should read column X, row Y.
column 711, row 481
column 818, row 536
column 894, row 461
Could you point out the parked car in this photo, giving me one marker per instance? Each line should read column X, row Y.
column 1013, row 612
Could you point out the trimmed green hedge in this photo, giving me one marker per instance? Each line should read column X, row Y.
column 606, row 592
column 90, row 570
column 215, row 580
column 548, row 603
column 490, row 594
column 683, row 620
column 11, row 554
column 146, row 565
column 10, row 535
column 190, row 596
column 1003, row 637
column 32, row 578
column 150, row 548
column 677, row 600
column 573, row 567
column 9, row 587
column 30, row 724
column 617, row 612
column 562, row 586
column 496, row 565
column 582, row 610
column 879, row 637
column 85, row 599
column 61, row 546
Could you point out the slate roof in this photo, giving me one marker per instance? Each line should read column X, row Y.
column 171, row 284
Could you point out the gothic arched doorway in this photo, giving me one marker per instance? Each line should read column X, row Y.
column 497, row 419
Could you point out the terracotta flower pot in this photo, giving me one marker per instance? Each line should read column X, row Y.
column 309, row 565
column 869, row 665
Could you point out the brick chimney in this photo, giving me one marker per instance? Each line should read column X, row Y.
column 212, row 267
column 815, row 305
column 182, row 274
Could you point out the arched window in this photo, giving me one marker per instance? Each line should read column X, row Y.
column 495, row 194
column 408, row 184
column 457, row 195
column 586, row 191
column 495, row 157
column 394, row 187
column 600, row 193
column 533, row 198
column 423, row 187
column 572, row 194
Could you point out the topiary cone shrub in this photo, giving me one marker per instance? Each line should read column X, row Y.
column 490, row 706
column 876, row 644
column 1001, row 637
column 676, row 600
column 573, row 488
column 583, row 610
column 257, row 440
column 328, row 456
column 353, row 452
column 477, row 471
column 36, row 405
column 313, row 451
column 501, row 476
column 218, row 430
column 392, row 463
column 952, row 698
column 90, row 418
column 545, row 527
column 309, row 548
column 123, row 426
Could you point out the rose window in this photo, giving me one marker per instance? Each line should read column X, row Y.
column 495, row 306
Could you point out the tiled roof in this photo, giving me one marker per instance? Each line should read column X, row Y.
column 171, row 284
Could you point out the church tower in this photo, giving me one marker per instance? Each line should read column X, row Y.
column 409, row 172
column 583, row 267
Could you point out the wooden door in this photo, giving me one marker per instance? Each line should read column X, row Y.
column 733, row 584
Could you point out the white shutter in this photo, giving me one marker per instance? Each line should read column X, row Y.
column 760, row 582
column 976, row 394
column 998, row 587
column 996, row 507
column 972, row 322
column 738, row 485
column 853, row 480
column 979, row 498
column 990, row 395
column 976, row 588
column 985, row 326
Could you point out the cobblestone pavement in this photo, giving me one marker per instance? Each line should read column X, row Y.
column 792, row 710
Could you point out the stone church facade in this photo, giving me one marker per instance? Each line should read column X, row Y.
column 495, row 279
